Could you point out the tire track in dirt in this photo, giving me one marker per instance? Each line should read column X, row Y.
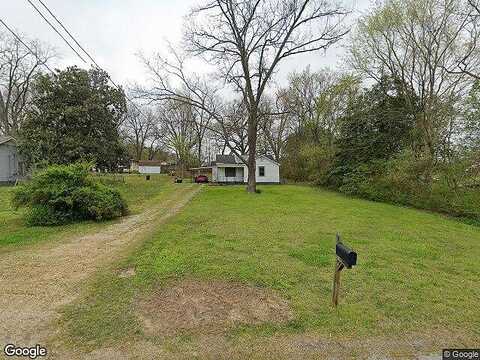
column 36, row 281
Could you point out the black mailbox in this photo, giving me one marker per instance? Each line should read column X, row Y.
column 346, row 255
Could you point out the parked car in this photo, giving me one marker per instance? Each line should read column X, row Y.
column 200, row 179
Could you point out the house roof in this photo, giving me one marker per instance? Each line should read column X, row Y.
column 225, row 159
column 230, row 159
column 5, row 139
column 267, row 157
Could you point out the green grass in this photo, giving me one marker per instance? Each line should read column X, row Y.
column 416, row 270
column 138, row 193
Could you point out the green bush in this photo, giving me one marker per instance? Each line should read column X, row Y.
column 406, row 180
column 65, row 193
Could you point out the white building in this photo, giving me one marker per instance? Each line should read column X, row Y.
column 228, row 169
column 147, row 166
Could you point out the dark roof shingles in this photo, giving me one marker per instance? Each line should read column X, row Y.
column 225, row 159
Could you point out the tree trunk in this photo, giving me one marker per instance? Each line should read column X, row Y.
column 3, row 117
column 252, row 149
column 199, row 154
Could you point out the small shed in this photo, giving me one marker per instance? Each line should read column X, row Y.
column 10, row 165
column 149, row 167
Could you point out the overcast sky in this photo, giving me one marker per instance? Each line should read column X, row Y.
column 113, row 31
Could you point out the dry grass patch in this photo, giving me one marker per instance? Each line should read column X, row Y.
column 209, row 307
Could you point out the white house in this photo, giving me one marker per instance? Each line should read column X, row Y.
column 147, row 166
column 228, row 169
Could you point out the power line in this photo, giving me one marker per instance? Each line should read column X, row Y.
column 68, row 32
column 28, row 47
column 79, row 45
column 55, row 29
column 75, row 40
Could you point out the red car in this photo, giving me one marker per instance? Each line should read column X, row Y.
column 201, row 179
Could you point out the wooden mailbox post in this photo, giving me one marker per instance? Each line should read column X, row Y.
column 346, row 257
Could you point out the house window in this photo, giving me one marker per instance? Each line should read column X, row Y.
column 230, row 172
column 261, row 171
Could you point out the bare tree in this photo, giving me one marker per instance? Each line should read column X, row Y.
column 232, row 128
column 472, row 46
column 155, row 142
column 18, row 67
column 172, row 84
column 247, row 40
column 139, row 126
column 475, row 4
column 276, row 124
column 201, row 125
column 177, row 127
column 220, row 118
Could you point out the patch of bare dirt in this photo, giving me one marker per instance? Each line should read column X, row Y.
column 209, row 307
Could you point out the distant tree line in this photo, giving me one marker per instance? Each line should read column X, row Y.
column 399, row 123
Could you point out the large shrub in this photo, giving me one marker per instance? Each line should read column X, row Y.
column 451, row 188
column 65, row 193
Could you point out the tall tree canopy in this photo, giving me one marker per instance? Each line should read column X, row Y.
column 379, row 123
column 75, row 115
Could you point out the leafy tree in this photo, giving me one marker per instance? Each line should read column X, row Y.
column 471, row 129
column 307, row 159
column 378, row 125
column 75, row 116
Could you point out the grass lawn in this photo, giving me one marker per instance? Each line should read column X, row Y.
column 136, row 190
column 417, row 271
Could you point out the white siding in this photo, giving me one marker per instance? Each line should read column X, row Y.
column 8, row 162
column 149, row 169
column 272, row 171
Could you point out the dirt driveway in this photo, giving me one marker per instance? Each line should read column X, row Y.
column 36, row 281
